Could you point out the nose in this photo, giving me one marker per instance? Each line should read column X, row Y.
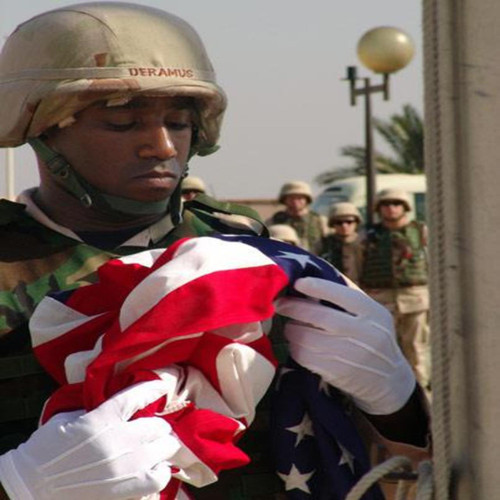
column 156, row 143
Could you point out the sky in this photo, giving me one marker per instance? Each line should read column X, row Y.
column 282, row 65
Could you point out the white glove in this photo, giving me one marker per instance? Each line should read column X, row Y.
column 355, row 351
column 96, row 455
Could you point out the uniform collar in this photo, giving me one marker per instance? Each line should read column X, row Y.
column 143, row 239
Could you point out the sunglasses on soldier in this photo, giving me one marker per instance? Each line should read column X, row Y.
column 388, row 203
column 344, row 221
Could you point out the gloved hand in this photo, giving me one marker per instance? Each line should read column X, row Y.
column 96, row 455
column 355, row 351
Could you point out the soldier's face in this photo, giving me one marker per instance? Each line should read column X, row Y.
column 345, row 226
column 138, row 150
column 295, row 202
column 392, row 210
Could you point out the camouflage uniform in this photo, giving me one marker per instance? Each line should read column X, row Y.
column 36, row 260
column 309, row 228
column 395, row 273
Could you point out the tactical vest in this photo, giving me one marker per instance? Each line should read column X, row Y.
column 395, row 258
column 309, row 228
column 346, row 256
column 333, row 252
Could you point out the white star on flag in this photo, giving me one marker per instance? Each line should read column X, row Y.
column 296, row 480
column 302, row 430
column 346, row 458
column 300, row 258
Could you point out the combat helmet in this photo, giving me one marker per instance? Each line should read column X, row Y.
column 344, row 209
column 295, row 187
column 284, row 233
column 61, row 61
column 393, row 194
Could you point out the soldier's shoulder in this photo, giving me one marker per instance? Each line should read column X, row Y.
column 278, row 217
column 418, row 223
column 316, row 214
column 225, row 217
column 208, row 204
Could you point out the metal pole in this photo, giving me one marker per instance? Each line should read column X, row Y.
column 9, row 173
column 370, row 163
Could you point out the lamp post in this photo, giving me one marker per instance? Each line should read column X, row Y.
column 383, row 50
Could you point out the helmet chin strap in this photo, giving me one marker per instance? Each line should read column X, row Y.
column 90, row 196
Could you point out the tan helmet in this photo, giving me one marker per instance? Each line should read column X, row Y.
column 284, row 233
column 295, row 187
column 393, row 194
column 61, row 61
column 192, row 183
column 344, row 209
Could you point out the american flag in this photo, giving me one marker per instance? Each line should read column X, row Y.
column 193, row 312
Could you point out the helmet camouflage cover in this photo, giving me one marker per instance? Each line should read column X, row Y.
column 393, row 194
column 344, row 209
column 295, row 187
column 284, row 232
column 61, row 61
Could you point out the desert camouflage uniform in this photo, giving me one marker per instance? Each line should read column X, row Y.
column 395, row 273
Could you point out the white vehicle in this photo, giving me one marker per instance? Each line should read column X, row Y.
column 353, row 189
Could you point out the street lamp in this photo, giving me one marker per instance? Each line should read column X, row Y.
column 383, row 50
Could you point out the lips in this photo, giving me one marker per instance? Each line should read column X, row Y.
column 156, row 175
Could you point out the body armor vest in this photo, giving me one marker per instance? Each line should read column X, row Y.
column 346, row 256
column 395, row 258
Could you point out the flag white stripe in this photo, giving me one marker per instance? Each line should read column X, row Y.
column 193, row 259
column 43, row 328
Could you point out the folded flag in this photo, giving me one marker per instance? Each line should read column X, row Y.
column 195, row 309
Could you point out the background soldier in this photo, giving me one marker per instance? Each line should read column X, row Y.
column 310, row 226
column 395, row 273
column 192, row 186
column 343, row 247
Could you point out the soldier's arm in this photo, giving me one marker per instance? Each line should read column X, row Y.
column 3, row 495
column 408, row 425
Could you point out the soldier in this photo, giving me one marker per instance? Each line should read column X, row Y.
column 310, row 226
column 113, row 115
column 395, row 273
column 343, row 248
column 192, row 186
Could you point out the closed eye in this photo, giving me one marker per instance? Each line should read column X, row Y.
column 120, row 127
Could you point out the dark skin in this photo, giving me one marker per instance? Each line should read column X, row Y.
column 138, row 151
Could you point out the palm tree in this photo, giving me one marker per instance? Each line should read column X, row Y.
column 404, row 133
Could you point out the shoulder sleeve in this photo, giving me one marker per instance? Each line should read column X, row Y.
column 227, row 217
